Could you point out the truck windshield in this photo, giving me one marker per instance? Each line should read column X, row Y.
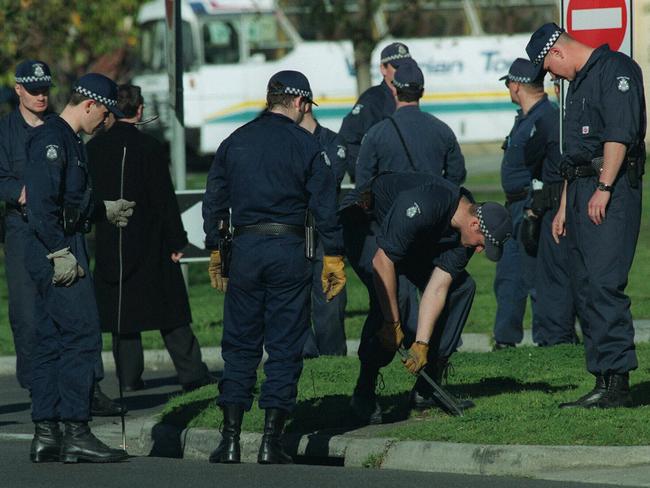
column 220, row 41
column 153, row 49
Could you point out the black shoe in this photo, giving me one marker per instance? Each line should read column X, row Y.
column 138, row 385
column 46, row 444
column 591, row 399
column 271, row 451
column 423, row 396
column 500, row 346
column 79, row 444
column 208, row 379
column 618, row 392
column 229, row 450
column 102, row 406
column 364, row 403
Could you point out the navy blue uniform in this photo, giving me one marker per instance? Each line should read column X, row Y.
column 556, row 308
column 67, row 322
column 513, row 282
column 605, row 103
column 414, row 212
column 431, row 144
column 268, row 171
column 328, row 318
column 374, row 105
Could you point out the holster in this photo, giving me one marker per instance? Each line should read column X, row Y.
column 73, row 221
column 530, row 228
column 310, row 236
column 225, row 250
column 635, row 170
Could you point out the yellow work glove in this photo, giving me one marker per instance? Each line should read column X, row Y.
column 214, row 270
column 417, row 357
column 333, row 276
column 390, row 335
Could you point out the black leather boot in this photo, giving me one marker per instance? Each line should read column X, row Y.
column 618, row 392
column 423, row 396
column 102, row 406
column 364, row 403
column 590, row 399
column 46, row 444
column 271, row 451
column 229, row 450
column 79, row 444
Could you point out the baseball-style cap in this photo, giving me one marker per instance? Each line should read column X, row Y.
column 409, row 75
column 101, row 89
column 395, row 54
column 496, row 225
column 541, row 43
column 290, row 82
column 33, row 74
column 522, row 71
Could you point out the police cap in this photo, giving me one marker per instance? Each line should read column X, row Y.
column 101, row 89
column 522, row 71
column 541, row 43
column 409, row 75
column 395, row 54
column 33, row 74
column 496, row 225
column 289, row 82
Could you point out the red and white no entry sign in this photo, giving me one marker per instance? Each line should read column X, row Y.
column 596, row 22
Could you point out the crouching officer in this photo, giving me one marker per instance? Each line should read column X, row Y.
column 60, row 208
column 269, row 172
column 430, row 228
column 603, row 159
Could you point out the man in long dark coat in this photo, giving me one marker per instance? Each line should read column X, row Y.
column 154, row 295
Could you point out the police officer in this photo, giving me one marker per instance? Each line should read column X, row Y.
column 60, row 206
column 375, row 104
column 33, row 82
column 269, row 172
column 430, row 228
column 513, row 282
column 328, row 317
column 410, row 140
column 556, row 308
column 603, row 158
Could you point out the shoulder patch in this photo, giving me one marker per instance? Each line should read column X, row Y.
column 341, row 151
column 356, row 110
column 413, row 210
column 52, row 152
column 623, row 83
column 326, row 159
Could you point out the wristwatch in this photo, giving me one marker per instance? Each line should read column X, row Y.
column 603, row 187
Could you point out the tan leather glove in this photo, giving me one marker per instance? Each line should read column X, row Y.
column 390, row 335
column 333, row 276
column 417, row 357
column 214, row 270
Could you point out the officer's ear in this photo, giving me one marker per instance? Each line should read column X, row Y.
column 87, row 105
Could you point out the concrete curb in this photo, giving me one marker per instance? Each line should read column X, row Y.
column 385, row 453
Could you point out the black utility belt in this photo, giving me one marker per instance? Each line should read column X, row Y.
column 517, row 196
column 569, row 172
column 270, row 229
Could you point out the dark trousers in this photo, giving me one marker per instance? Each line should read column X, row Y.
column 600, row 259
column 359, row 236
column 556, row 307
column 327, row 335
column 181, row 344
column 513, row 283
column 68, row 339
column 266, row 305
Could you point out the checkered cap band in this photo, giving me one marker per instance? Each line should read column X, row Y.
column 547, row 47
column 90, row 94
column 397, row 84
column 288, row 90
column 388, row 59
column 484, row 229
column 520, row 79
column 32, row 79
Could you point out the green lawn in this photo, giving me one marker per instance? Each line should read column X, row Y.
column 516, row 394
column 207, row 304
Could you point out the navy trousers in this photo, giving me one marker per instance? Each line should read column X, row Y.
column 266, row 305
column 513, row 284
column 327, row 335
column 68, row 338
column 600, row 258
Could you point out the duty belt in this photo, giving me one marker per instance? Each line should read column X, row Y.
column 570, row 172
column 517, row 196
column 270, row 229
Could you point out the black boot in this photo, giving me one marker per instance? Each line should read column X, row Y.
column 590, row 399
column 271, row 451
column 102, row 406
column 618, row 392
column 228, row 450
column 364, row 403
column 79, row 444
column 423, row 396
column 46, row 444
